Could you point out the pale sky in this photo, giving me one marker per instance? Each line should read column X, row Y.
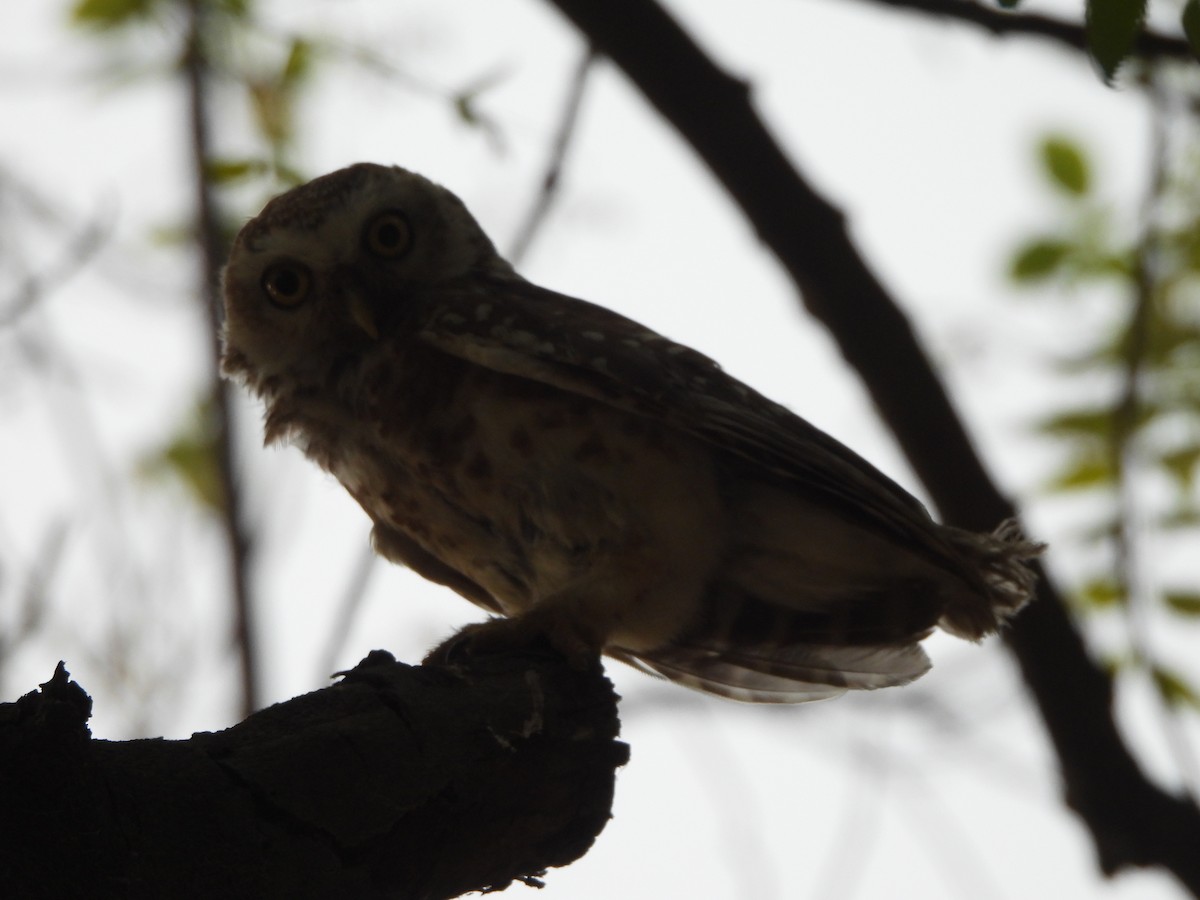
column 922, row 132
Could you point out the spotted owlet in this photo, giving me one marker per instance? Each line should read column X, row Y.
column 557, row 463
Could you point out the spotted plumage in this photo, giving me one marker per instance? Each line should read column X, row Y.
column 557, row 463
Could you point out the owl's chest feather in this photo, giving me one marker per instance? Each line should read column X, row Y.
column 525, row 489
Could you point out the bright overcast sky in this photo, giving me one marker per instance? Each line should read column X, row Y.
column 922, row 131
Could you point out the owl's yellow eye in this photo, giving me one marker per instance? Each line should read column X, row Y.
column 388, row 235
column 286, row 284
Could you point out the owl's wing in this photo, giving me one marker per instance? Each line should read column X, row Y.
column 586, row 349
column 507, row 324
column 863, row 641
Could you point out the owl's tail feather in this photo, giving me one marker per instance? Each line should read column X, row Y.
column 794, row 674
column 1006, row 582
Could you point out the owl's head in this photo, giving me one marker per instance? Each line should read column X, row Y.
column 331, row 266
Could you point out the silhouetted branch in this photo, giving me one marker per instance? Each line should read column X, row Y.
column 398, row 782
column 213, row 252
column 558, row 153
column 1149, row 44
column 1132, row 821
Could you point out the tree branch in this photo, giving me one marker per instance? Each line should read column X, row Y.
column 1132, row 821
column 558, row 152
column 398, row 782
column 213, row 251
column 33, row 288
column 1149, row 44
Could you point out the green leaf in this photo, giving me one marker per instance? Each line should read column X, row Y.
column 272, row 104
column 1112, row 27
column 172, row 235
column 1182, row 517
column 236, row 9
column 1093, row 424
column 1191, row 25
column 1181, row 464
column 1100, row 593
column 106, row 14
column 288, row 176
column 1184, row 603
column 193, row 459
column 1066, row 165
column 1172, row 687
column 227, row 171
column 1088, row 422
column 299, row 62
column 191, row 456
column 466, row 99
column 1038, row 259
column 1187, row 239
column 1082, row 473
column 1101, row 265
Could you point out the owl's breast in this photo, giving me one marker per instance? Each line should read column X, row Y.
column 535, row 494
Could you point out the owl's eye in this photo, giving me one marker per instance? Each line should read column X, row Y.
column 286, row 284
column 388, row 235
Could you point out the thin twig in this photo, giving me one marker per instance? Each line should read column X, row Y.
column 558, row 152
column 351, row 603
column 80, row 248
column 722, row 776
column 1149, row 44
column 208, row 234
column 856, row 837
column 33, row 601
column 949, row 845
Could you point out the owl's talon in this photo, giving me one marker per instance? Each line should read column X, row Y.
column 530, row 635
column 474, row 641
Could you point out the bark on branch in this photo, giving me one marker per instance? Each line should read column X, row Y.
column 1132, row 821
column 397, row 782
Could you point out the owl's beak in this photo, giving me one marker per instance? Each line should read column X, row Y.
column 361, row 315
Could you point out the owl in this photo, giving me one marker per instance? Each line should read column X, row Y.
column 578, row 475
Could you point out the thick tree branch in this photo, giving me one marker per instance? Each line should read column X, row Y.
column 1132, row 821
column 398, row 782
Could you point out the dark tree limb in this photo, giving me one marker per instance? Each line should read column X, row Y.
column 1132, row 821
column 397, row 782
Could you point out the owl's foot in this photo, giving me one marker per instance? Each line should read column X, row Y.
column 536, row 633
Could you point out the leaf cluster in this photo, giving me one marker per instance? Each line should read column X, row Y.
column 266, row 71
column 1148, row 430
